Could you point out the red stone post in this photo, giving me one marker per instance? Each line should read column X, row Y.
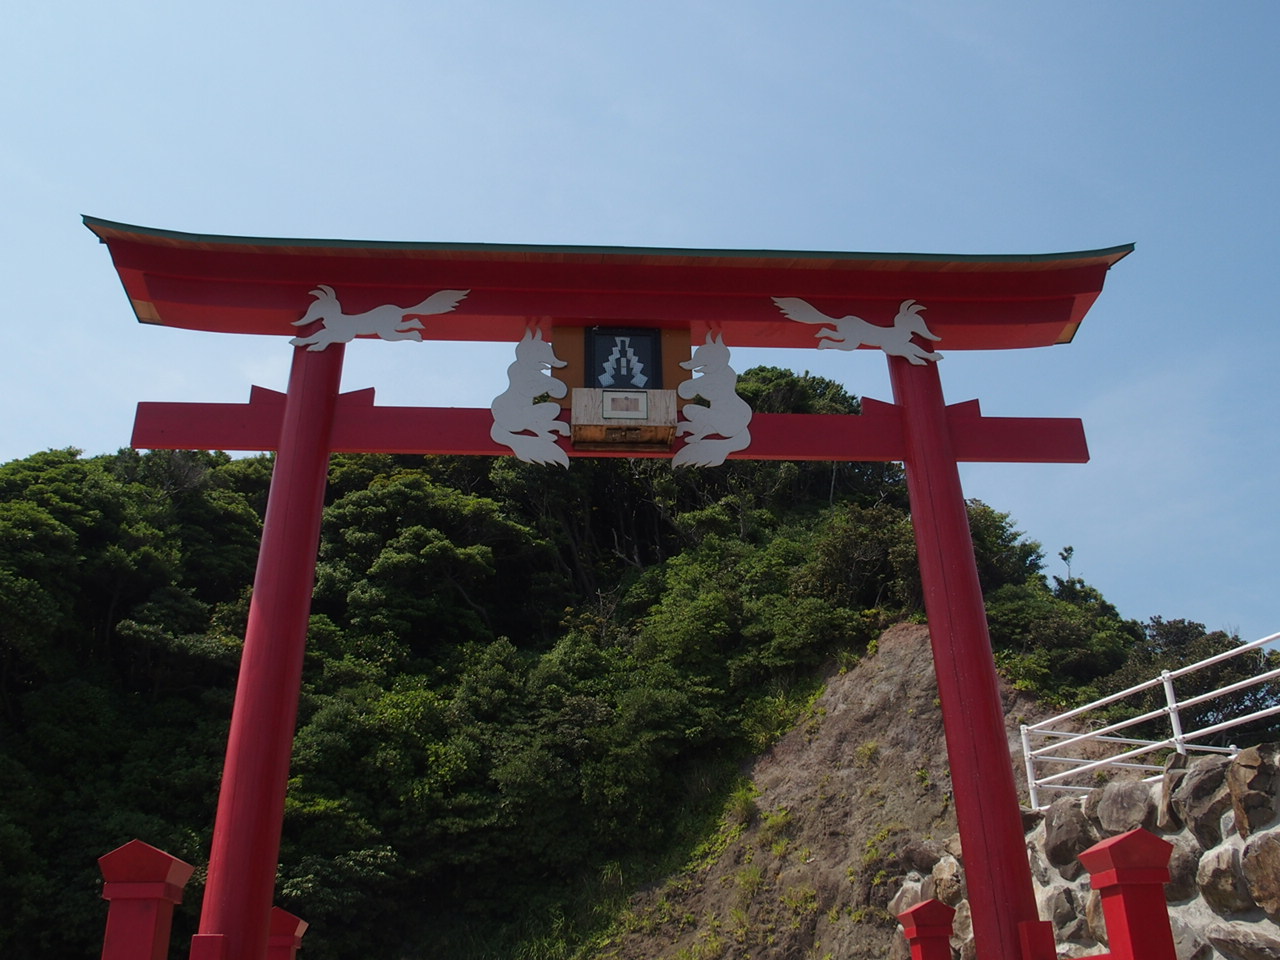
column 286, row 935
column 1130, row 872
column 927, row 927
column 235, row 920
column 142, row 885
column 997, row 871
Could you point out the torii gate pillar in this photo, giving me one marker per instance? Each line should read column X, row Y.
column 997, row 871
column 236, row 916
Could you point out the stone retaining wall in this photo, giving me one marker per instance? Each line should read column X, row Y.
column 1223, row 817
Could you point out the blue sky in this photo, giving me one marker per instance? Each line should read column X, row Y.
column 991, row 126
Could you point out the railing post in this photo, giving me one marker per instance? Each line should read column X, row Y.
column 1175, row 721
column 1130, row 872
column 285, row 935
column 927, row 927
column 142, row 885
column 1033, row 793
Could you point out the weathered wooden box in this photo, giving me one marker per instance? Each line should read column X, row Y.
column 623, row 420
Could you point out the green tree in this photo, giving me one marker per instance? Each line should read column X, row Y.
column 412, row 562
column 1058, row 642
column 517, row 677
column 1173, row 644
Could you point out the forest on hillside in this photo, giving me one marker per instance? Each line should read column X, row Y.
column 520, row 680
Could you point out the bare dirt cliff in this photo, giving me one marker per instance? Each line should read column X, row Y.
column 839, row 812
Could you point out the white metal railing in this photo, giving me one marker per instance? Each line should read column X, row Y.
column 1059, row 751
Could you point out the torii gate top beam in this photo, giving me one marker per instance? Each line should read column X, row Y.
column 254, row 285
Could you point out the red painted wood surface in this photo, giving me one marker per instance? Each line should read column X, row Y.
column 208, row 946
column 260, row 286
column 1130, row 872
column 142, row 884
column 361, row 427
column 246, row 837
column 927, row 927
column 1038, row 940
column 997, row 871
column 285, row 935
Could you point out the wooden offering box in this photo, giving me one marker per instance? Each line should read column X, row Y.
column 625, row 420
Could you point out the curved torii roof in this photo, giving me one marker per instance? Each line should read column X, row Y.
column 261, row 285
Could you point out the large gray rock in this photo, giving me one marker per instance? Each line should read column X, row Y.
column 1041, row 872
column 962, row 932
column 1089, row 807
column 1244, row 941
column 1220, row 882
column 1183, row 861
column 1125, row 805
column 922, row 853
column 952, row 846
column 1095, row 918
column 1175, row 769
column 1067, row 834
column 1058, row 904
column 945, row 883
column 1201, row 798
column 1188, row 941
column 907, row 897
column 1070, row 950
column 1254, row 783
column 1030, row 818
column 1260, row 867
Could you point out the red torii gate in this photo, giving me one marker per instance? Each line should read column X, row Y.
column 261, row 286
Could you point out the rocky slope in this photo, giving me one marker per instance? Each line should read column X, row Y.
column 839, row 813
column 847, row 821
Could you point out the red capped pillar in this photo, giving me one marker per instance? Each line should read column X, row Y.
column 1130, row 872
column 286, row 935
column 927, row 927
column 142, row 884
